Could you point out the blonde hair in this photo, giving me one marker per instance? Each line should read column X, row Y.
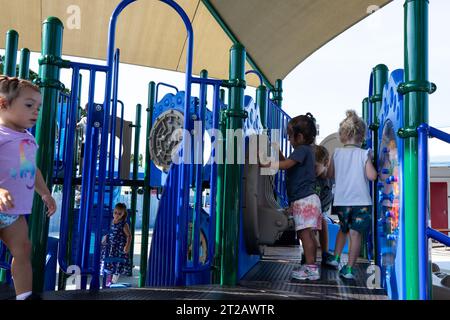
column 11, row 87
column 352, row 127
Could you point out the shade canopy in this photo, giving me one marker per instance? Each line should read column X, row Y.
column 278, row 34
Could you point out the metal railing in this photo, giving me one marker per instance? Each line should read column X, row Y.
column 277, row 119
column 425, row 232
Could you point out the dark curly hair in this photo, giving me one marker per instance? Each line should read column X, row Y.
column 306, row 125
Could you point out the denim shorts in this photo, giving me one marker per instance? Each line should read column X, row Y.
column 7, row 219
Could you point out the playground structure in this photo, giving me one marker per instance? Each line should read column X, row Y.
column 192, row 245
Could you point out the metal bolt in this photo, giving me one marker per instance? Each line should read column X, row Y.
column 97, row 124
column 98, row 107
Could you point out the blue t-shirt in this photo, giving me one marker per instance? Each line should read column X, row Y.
column 301, row 178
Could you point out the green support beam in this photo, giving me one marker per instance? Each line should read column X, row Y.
column 24, row 67
column 261, row 101
column 278, row 93
column 52, row 36
column 380, row 78
column 365, row 110
column 216, row 276
column 147, row 189
column 137, row 136
column 232, row 177
column 415, row 112
column 12, row 40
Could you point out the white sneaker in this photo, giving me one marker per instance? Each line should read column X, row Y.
column 307, row 272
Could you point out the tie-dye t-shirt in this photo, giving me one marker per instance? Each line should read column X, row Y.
column 18, row 168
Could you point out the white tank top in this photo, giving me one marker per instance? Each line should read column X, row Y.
column 352, row 185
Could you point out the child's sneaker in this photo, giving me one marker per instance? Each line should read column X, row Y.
column 325, row 256
column 333, row 261
column 347, row 272
column 307, row 272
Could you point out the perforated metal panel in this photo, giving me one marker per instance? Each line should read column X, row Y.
column 164, row 138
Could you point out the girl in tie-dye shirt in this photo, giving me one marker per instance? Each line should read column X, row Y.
column 20, row 102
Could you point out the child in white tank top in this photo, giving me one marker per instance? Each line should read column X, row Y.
column 352, row 168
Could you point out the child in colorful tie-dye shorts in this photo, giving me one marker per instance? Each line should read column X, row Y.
column 300, row 183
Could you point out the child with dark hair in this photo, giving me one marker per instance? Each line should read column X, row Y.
column 117, row 246
column 300, row 183
column 324, row 189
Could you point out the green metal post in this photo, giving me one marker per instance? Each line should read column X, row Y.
column 278, row 93
column 52, row 35
column 278, row 99
column 365, row 110
column 416, row 89
column 365, row 113
column 147, row 188
column 216, row 277
column 232, row 177
column 12, row 40
column 24, row 67
column 380, row 78
column 261, row 102
column 137, row 136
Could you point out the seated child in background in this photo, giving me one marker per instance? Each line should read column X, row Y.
column 324, row 189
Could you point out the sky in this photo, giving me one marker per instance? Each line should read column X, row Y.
column 332, row 80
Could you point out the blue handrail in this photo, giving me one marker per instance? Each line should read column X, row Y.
column 277, row 119
column 122, row 114
column 438, row 236
column 425, row 232
column 165, row 85
column 183, row 178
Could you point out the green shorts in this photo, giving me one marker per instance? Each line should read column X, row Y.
column 358, row 218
